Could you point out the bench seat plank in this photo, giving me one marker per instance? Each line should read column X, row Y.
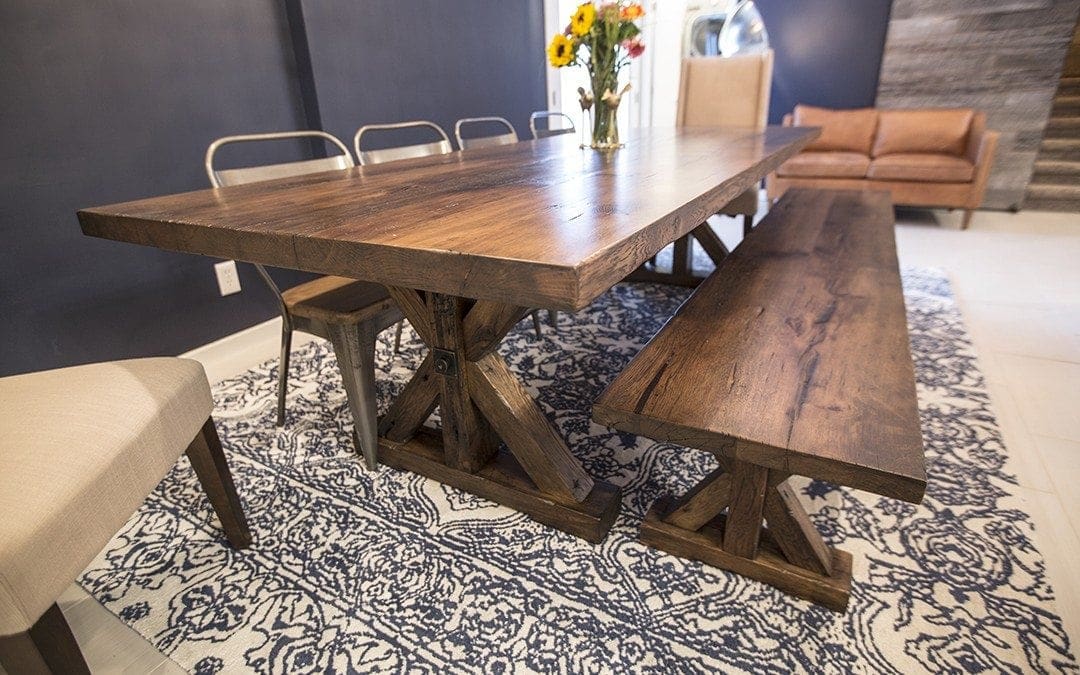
column 794, row 355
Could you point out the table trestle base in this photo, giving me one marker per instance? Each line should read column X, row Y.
column 682, row 263
column 502, row 480
column 482, row 402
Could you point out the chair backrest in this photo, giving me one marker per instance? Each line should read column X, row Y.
column 254, row 174
column 725, row 91
column 439, row 147
column 549, row 115
column 485, row 141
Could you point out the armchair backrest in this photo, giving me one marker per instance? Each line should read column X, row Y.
column 725, row 91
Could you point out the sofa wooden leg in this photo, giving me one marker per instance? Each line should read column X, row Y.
column 968, row 213
column 48, row 647
column 208, row 460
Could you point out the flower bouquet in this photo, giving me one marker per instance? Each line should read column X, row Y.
column 603, row 39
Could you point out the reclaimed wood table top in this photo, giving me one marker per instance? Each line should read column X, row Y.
column 538, row 223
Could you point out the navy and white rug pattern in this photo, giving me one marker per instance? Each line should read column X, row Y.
column 356, row 571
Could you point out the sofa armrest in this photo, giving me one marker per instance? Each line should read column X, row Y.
column 984, row 162
column 789, row 119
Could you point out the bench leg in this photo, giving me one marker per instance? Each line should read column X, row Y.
column 48, row 647
column 208, row 460
column 789, row 554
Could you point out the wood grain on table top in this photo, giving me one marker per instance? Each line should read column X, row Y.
column 538, row 223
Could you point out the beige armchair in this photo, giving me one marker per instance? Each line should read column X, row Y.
column 731, row 91
column 80, row 449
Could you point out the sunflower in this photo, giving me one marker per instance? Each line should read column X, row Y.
column 583, row 19
column 561, row 51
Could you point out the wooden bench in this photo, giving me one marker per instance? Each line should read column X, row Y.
column 792, row 358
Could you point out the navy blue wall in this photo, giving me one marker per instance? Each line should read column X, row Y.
column 397, row 60
column 112, row 100
column 828, row 52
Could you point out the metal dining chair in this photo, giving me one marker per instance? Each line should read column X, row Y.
column 550, row 115
column 398, row 152
column 505, row 138
column 510, row 136
column 347, row 312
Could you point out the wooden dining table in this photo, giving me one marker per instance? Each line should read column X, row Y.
column 467, row 244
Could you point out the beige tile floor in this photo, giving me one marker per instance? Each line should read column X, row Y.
column 1017, row 280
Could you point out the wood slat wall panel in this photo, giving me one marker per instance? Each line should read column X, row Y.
column 1003, row 58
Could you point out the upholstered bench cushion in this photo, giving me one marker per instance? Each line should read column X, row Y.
column 922, row 167
column 825, row 165
column 71, row 474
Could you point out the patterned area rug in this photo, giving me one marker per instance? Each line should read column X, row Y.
column 391, row 572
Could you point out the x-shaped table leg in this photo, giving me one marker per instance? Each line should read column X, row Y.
column 482, row 402
column 682, row 260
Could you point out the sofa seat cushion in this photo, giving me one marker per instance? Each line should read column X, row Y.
column 937, row 131
column 825, row 165
column 841, row 130
column 922, row 167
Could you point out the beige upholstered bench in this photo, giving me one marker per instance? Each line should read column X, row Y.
column 80, row 449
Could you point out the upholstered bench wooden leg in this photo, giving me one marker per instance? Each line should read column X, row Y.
column 789, row 554
column 208, row 460
column 48, row 647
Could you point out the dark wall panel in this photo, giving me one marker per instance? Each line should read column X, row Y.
column 396, row 60
column 113, row 100
column 828, row 52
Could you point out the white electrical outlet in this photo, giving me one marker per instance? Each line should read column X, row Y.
column 228, row 280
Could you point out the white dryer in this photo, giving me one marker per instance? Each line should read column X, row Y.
column 702, row 25
column 723, row 28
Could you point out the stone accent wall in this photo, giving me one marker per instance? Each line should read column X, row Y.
column 1003, row 57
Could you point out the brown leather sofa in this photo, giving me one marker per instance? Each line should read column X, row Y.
column 931, row 157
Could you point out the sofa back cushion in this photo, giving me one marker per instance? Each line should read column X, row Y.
column 841, row 130
column 933, row 131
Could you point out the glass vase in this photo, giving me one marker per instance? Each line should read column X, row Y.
column 605, row 131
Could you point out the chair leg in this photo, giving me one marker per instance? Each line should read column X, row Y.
column 354, row 346
column 536, row 323
column 208, row 460
column 968, row 213
column 48, row 647
column 283, row 371
column 747, row 224
column 397, row 336
column 553, row 318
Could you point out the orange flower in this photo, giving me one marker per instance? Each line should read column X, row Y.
column 631, row 12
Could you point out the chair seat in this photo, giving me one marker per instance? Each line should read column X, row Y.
column 72, row 475
column 337, row 299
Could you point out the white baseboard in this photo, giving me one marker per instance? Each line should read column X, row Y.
column 241, row 351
